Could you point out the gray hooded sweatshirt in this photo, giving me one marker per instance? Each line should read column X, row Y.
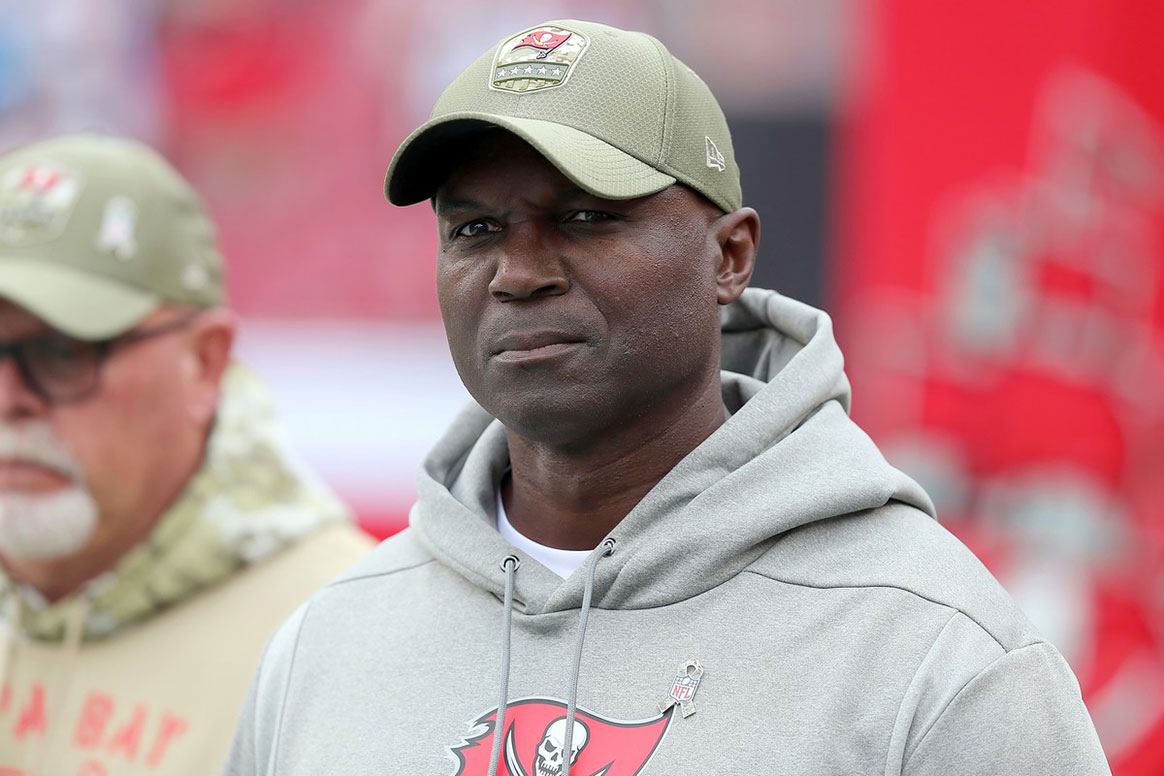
column 782, row 602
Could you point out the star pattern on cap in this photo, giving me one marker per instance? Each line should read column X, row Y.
column 524, row 69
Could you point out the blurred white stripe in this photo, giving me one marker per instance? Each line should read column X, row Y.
column 362, row 402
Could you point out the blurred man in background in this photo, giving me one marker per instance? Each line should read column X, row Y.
column 153, row 528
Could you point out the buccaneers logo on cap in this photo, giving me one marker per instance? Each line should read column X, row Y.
column 535, row 741
column 544, row 40
column 535, row 59
column 35, row 203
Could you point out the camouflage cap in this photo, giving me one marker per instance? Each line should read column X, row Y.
column 96, row 232
column 613, row 110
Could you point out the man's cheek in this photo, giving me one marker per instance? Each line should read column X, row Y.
column 101, row 443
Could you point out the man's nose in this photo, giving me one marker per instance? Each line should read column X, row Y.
column 17, row 398
column 528, row 267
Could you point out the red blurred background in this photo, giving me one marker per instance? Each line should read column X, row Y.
column 975, row 191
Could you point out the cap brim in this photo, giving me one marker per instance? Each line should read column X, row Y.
column 80, row 304
column 422, row 163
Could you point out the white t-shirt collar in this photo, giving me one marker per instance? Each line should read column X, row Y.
column 561, row 562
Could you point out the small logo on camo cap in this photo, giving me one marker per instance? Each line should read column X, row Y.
column 536, row 59
column 715, row 159
column 35, row 203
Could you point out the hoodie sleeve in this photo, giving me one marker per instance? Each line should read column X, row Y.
column 1022, row 713
column 256, row 739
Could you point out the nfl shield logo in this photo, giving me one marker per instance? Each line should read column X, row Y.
column 683, row 688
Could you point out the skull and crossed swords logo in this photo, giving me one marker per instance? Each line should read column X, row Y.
column 551, row 751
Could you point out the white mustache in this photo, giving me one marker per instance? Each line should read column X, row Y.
column 35, row 443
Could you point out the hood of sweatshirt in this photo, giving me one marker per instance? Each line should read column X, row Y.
column 250, row 498
column 718, row 509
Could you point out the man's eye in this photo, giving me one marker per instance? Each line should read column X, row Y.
column 58, row 349
column 476, row 228
column 588, row 216
column 53, row 357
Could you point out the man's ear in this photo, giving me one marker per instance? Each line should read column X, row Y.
column 211, row 341
column 737, row 236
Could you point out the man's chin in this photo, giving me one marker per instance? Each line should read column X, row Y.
column 38, row 526
column 552, row 421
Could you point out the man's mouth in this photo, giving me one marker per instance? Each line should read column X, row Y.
column 525, row 347
column 23, row 475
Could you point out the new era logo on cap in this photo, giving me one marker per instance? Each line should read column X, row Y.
column 715, row 159
column 537, row 58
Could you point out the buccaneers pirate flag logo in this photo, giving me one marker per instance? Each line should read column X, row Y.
column 35, row 203
column 534, row 740
column 537, row 58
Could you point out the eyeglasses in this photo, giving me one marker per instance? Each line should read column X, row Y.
column 61, row 369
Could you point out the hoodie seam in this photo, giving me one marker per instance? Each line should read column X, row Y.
column 377, row 574
column 914, row 593
column 959, row 693
column 278, row 737
column 912, row 680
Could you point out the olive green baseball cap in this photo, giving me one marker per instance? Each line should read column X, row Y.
column 96, row 232
column 613, row 110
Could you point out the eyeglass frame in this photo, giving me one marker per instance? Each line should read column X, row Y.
column 103, row 349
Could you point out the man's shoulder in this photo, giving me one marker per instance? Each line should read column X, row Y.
column 358, row 592
column 281, row 581
column 398, row 553
column 899, row 549
column 338, row 545
column 351, row 591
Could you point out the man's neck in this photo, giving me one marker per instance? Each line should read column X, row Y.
column 55, row 579
column 570, row 498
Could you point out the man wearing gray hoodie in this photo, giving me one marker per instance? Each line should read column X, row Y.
column 656, row 543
